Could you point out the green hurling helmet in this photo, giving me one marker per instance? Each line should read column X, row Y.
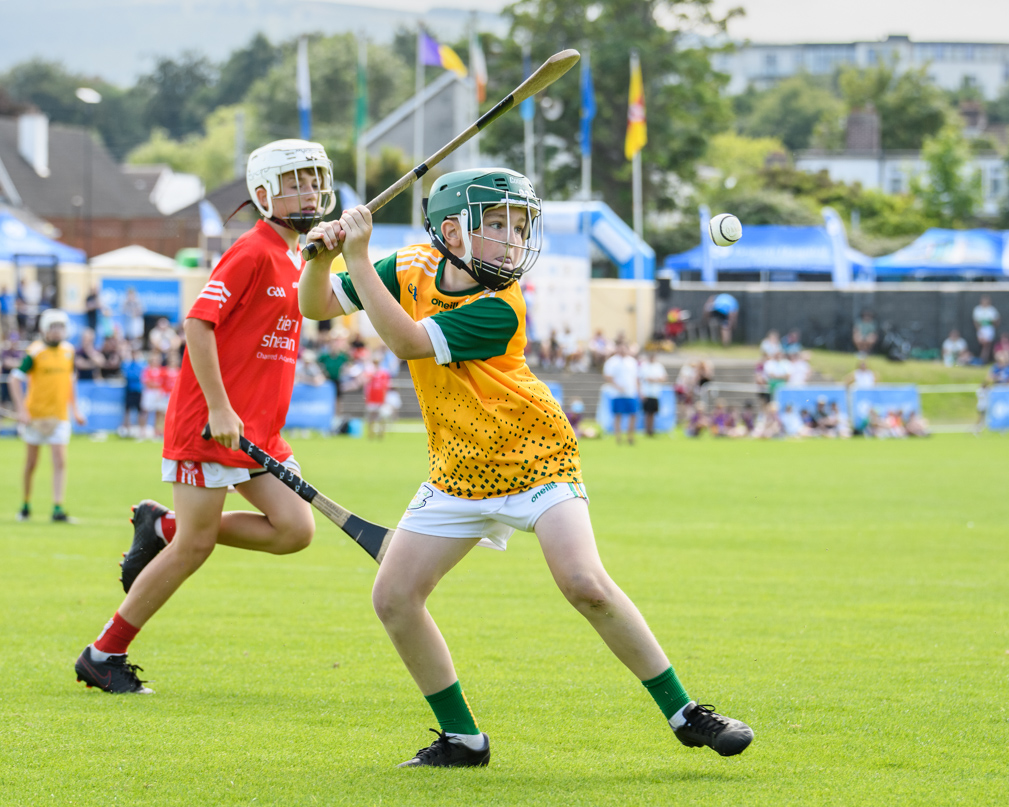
column 501, row 253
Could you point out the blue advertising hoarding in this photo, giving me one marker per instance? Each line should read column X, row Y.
column 158, row 297
column 665, row 418
column 997, row 418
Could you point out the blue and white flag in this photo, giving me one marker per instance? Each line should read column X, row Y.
column 527, row 107
column 588, row 106
column 304, row 90
column 210, row 220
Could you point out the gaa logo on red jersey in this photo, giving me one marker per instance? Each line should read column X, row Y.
column 276, row 291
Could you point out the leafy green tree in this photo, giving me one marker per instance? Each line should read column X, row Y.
column 948, row 194
column 910, row 106
column 242, row 68
column 180, row 94
column 791, row 110
column 682, row 93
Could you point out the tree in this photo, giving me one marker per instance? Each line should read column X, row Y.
column 791, row 111
column 682, row 93
column 180, row 94
column 242, row 68
column 948, row 194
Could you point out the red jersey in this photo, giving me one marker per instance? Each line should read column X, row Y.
column 376, row 385
column 152, row 378
column 252, row 301
column 169, row 378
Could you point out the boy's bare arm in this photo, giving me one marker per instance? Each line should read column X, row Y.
column 406, row 338
column 225, row 425
column 316, row 298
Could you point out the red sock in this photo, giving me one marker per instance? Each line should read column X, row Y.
column 116, row 636
column 168, row 526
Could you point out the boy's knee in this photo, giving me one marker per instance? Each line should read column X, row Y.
column 390, row 602
column 296, row 535
column 587, row 592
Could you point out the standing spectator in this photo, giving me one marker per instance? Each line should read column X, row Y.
column 308, row 371
column 133, row 369
column 722, row 311
column 334, row 356
column 954, row 350
column 986, row 321
column 792, row 345
column 861, row 377
column 92, row 308
column 151, row 380
column 11, row 357
column 7, row 318
column 621, row 374
column 570, row 351
column 865, row 333
column 687, row 383
column 799, row 369
column 48, row 370
column 652, row 377
column 982, row 405
column 133, row 312
column 376, row 387
column 164, row 338
column 88, row 361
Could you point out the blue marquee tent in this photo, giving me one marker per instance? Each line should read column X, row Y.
column 21, row 244
column 779, row 251
column 940, row 253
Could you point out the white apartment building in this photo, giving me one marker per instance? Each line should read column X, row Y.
column 949, row 64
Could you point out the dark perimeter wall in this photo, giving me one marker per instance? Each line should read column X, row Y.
column 925, row 311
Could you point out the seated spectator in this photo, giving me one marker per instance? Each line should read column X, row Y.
column 998, row 373
column 308, row 370
column 842, row 425
column 722, row 420
column 676, row 323
column 865, row 333
column 747, row 420
column 954, row 350
column 89, row 361
column 776, row 370
column 769, row 426
column 575, row 413
column 799, row 369
column 895, row 424
column 697, row 421
column 820, row 419
column 600, row 348
column 861, row 377
column 915, row 425
column 791, row 422
column 113, row 349
column 1002, row 345
column 792, row 345
column 771, row 344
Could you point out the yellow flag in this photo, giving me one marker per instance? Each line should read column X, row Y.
column 637, row 130
column 450, row 61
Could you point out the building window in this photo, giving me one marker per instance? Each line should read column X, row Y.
column 771, row 61
column 896, row 183
column 995, row 184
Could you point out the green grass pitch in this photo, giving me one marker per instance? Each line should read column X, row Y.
column 849, row 600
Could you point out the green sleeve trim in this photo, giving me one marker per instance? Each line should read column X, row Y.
column 386, row 269
column 480, row 330
column 26, row 364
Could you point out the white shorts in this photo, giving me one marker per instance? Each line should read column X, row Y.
column 433, row 512
column 149, row 399
column 986, row 333
column 46, row 432
column 213, row 474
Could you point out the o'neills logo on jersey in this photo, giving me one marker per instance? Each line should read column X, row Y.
column 276, row 291
column 190, row 473
column 442, row 304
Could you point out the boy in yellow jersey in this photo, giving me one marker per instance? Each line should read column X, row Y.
column 502, row 453
column 48, row 369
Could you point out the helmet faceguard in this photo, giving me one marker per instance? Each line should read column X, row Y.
column 266, row 168
column 497, row 256
column 49, row 319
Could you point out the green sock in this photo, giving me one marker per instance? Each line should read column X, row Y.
column 452, row 711
column 57, row 508
column 668, row 692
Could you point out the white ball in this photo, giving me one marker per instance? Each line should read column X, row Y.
column 725, row 229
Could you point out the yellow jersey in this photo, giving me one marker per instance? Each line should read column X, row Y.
column 50, row 371
column 493, row 427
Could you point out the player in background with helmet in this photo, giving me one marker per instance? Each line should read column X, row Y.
column 44, row 415
column 242, row 336
column 502, row 453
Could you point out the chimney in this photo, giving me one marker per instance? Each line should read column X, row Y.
column 862, row 130
column 33, row 141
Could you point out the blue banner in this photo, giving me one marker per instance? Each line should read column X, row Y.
column 311, row 407
column 997, row 418
column 882, row 401
column 665, row 418
column 528, row 107
column 588, row 106
column 160, row 297
column 806, row 397
column 102, row 405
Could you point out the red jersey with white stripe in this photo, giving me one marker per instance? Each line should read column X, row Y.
column 252, row 300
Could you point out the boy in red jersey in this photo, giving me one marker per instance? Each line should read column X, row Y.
column 376, row 386
column 502, row 453
column 242, row 337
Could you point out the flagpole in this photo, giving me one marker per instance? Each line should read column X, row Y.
column 474, row 148
column 418, row 132
column 361, row 119
column 586, row 150
column 639, row 269
column 527, row 118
